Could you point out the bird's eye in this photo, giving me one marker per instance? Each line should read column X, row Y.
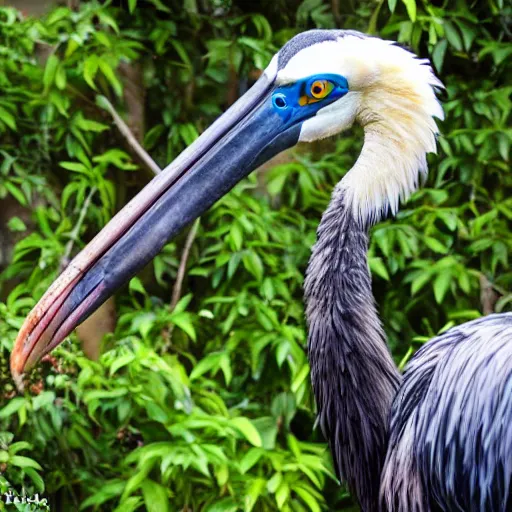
column 320, row 89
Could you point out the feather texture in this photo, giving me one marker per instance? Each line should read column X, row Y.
column 451, row 423
column 353, row 375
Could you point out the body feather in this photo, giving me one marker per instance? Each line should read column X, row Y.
column 451, row 423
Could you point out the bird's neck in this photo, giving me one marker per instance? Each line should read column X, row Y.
column 391, row 163
column 353, row 375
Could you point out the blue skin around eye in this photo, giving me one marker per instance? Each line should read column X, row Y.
column 285, row 99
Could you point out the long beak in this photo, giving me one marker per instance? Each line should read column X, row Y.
column 247, row 135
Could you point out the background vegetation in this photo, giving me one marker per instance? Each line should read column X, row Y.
column 200, row 401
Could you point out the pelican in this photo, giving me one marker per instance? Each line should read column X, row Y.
column 438, row 437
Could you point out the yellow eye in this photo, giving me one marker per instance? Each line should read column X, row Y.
column 315, row 91
column 320, row 89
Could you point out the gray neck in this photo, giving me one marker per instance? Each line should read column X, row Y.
column 354, row 377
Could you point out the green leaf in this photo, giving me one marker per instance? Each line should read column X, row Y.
column 222, row 475
column 91, row 126
column 439, row 53
column 274, row 483
column 15, row 224
column 20, row 445
column 24, row 462
column 182, row 304
column 136, row 285
column 252, row 263
column 250, row 459
column 7, row 118
column 377, row 267
column 91, row 65
column 449, row 219
column 237, row 236
column 121, row 361
column 153, row 135
column 211, row 361
column 253, row 493
column 392, row 5
column 247, row 429
column 155, row 496
column 131, row 504
column 453, row 36
column 60, row 77
column 136, row 480
column 282, row 494
column 206, row 313
column 504, row 147
column 16, row 193
column 160, row 6
column 131, row 5
column 267, row 427
column 225, row 365
column 50, row 71
column 293, row 445
column 43, row 400
column 144, row 322
column 106, row 492
column 410, row 5
column 441, row 285
column 223, row 505
column 111, row 77
column 190, row 6
column 13, row 406
column 300, row 378
column 435, row 245
column 103, row 39
column 180, row 50
column 468, row 33
column 308, row 499
column 75, row 167
column 115, row 157
column 6, row 438
column 420, row 281
column 184, row 322
column 72, row 47
column 107, row 19
column 35, row 477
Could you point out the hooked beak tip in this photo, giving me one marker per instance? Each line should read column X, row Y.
column 18, row 381
column 17, row 369
column 21, row 352
column 24, row 348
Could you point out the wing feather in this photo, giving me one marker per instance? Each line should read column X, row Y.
column 451, row 424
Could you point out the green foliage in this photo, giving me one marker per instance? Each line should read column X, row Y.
column 207, row 406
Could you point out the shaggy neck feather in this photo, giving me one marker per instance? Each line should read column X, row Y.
column 353, row 375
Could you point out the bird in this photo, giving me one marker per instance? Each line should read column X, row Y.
column 439, row 435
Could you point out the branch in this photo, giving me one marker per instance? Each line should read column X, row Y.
column 178, row 284
column 488, row 297
column 73, row 236
column 335, row 7
column 128, row 135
